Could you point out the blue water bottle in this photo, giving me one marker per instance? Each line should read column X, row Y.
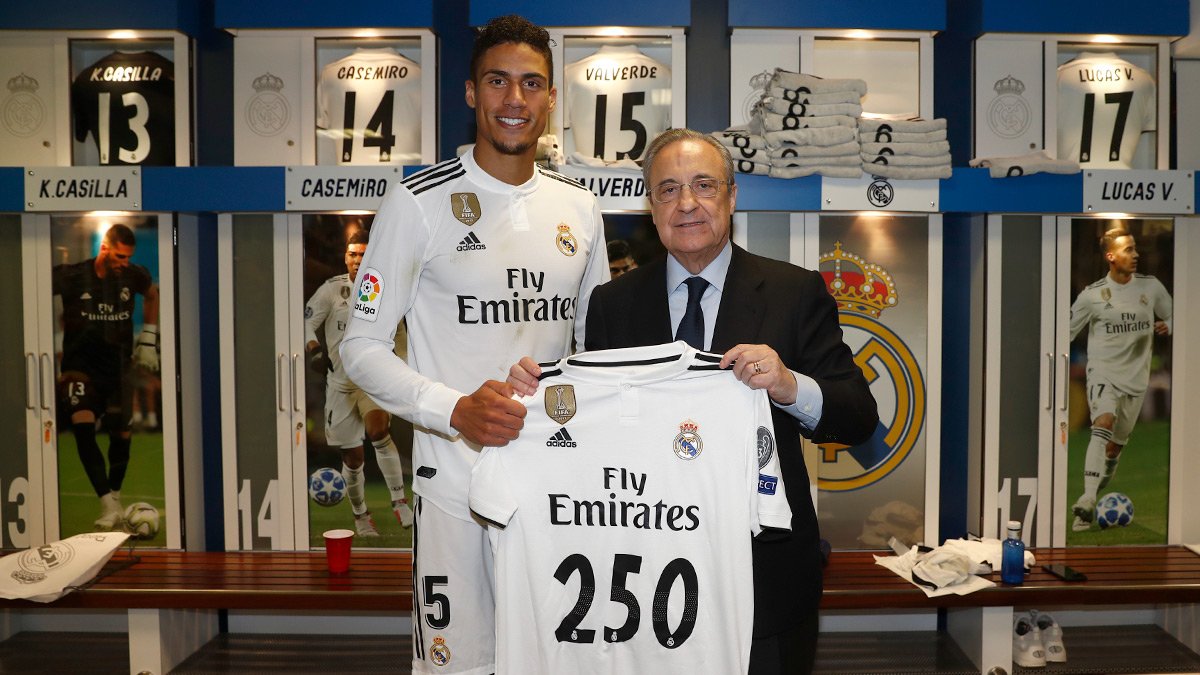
column 1012, row 560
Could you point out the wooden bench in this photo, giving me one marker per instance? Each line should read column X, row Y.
column 981, row 622
column 172, row 597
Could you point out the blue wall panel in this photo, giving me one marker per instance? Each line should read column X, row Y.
column 761, row 193
column 974, row 191
column 342, row 14
column 869, row 14
column 206, row 188
column 611, row 13
column 1155, row 17
column 12, row 189
column 181, row 15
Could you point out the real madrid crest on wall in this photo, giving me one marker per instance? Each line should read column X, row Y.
column 863, row 291
column 267, row 111
column 1008, row 115
column 22, row 112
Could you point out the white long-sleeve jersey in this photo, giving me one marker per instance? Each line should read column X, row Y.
column 1120, row 319
column 484, row 273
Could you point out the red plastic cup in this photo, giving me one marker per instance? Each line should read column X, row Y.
column 337, row 550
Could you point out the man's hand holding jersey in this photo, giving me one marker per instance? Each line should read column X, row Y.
column 490, row 416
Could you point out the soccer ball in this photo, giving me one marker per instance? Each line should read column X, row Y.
column 1114, row 510
column 141, row 521
column 326, row 486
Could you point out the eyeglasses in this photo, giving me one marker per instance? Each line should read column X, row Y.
column 704, row 188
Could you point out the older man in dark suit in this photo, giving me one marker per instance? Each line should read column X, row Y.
column 777, row 327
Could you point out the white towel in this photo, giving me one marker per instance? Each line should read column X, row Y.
column 906, row 160
column 753, row 154
column 815, row 85
column 871, row 124
column 885, row 136
column 842, row 149
column 923, row 149
column 747, row 166
column 796, row 96
column 830, row 171
column 1025, row 165
column 739, row 137
column 772, row 122
column 819, row 136
column 784, row 107
column 908, row 172
column 821, row 160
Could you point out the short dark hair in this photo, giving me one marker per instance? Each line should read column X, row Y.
column 619, row 249
column 357, row 237
column 516, row 29
column 120, row 234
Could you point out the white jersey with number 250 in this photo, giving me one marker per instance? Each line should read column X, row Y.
column 618, row 100
column 1104, row 105
column 628, row 503
column 369, row 104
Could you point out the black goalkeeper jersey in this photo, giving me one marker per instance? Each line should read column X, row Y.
column 126, row 101
column 98, row 315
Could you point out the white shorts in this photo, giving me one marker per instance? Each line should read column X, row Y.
column 1104, row 398
column 344, row 414
column 454, row 604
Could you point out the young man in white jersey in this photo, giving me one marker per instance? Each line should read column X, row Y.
column 349, row 413
column 487, row 257
column 1123, row 312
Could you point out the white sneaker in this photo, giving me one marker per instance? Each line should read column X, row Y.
column 403, row 512
column 1028, row 651
column 365, row 525
column 1051, row 637
column 111, row 513
column 1085, row 513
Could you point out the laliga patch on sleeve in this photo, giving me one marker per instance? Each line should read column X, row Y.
column 368, row 295
column 767, row 484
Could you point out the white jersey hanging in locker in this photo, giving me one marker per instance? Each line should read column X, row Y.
column 618, row 100
column 645, row 471
column 369, row 106
column 1104, row 105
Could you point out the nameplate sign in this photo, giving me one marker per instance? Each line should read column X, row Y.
column 1139, row 191
column 83, row 188
column 617, row 189
column 338, row 188
column 872, row 193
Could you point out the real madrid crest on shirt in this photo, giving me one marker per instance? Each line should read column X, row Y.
column 465, row 206
column 565, row 241
column 560, row 402
column 688, row 443
column 439, row 653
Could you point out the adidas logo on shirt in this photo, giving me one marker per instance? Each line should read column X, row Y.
column 560, row 439
column 470, row 243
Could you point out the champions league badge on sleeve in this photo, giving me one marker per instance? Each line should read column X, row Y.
column 766, row 446
column 368, row 295
column 560, row 402
column 688, row 443
column 565, row 241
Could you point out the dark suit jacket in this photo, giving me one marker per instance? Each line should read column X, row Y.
column 788, row 308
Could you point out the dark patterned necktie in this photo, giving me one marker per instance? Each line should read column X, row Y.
column 691, row 328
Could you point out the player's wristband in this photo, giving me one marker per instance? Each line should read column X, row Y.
column 152, row 330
